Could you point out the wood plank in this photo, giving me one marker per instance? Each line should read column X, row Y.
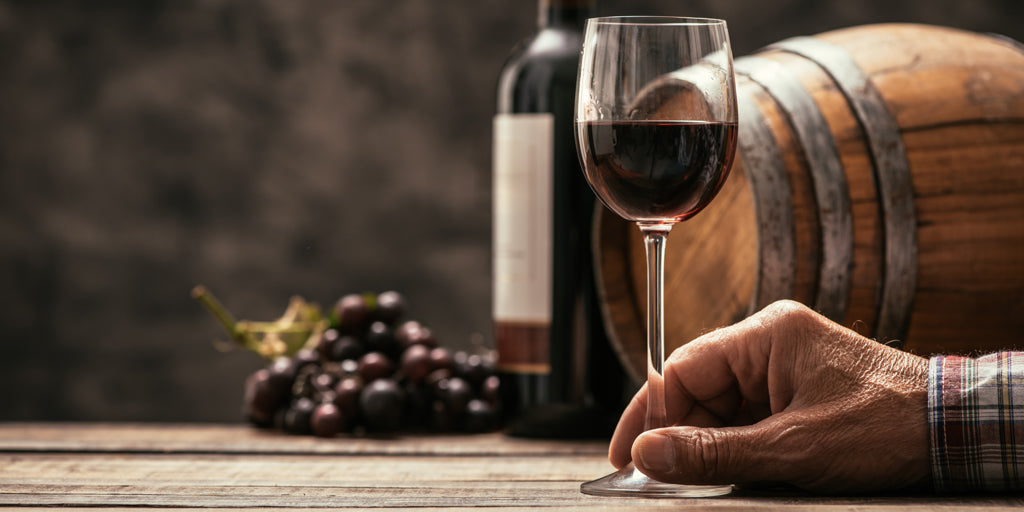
column 353, row 481
column 514, row 499
column 210, row 438
column 638, row 505
column 518, row 497
column 120, row 467
column 291, row 470
column 269, row 480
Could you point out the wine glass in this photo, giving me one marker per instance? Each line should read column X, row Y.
column 656, row 127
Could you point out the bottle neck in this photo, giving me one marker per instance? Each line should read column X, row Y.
column 564, row 13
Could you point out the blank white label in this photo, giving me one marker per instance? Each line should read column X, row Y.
column 523, row 164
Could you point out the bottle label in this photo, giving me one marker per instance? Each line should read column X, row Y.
column 523, row 165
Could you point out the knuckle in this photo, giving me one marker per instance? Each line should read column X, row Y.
column 789, row 314
column 786, row 308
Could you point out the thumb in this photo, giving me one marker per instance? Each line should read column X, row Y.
column 691, row 455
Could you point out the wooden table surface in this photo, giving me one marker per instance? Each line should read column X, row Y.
column 122, row 466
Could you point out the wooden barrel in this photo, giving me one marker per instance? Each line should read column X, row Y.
column 879, row 179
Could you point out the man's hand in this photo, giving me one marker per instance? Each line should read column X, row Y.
column 785, row 396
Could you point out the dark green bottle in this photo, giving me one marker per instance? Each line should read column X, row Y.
column 560, row 377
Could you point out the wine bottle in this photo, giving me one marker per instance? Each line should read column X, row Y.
column 559, row 374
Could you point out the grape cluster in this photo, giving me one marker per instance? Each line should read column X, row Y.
column 370, row 371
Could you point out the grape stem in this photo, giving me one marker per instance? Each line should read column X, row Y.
column 224, row 317
column 300, row 326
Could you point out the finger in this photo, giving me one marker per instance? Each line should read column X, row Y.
column 719, row 370
column 630, row 425
column 633, row 423
column 701, row 415
column 691, row 455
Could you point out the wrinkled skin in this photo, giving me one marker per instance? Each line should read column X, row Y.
column 785, row 396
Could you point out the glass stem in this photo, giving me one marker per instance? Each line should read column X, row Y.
column 655, row 237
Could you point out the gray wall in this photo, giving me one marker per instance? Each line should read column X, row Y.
column 265, row 149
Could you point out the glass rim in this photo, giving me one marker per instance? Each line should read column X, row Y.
column 649, row 20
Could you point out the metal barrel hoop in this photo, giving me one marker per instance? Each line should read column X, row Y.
column 769, row 183
column 893, row 181
column 829, row 182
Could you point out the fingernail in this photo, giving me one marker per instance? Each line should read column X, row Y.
column 657, row 453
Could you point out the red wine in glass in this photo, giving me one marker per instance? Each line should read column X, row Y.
column 657, row 170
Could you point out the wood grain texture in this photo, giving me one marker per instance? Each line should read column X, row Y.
column 218, row 438
column 234, row 467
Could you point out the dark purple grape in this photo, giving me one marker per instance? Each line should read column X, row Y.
column 404, row 332
column 325, row 345
column 262, row 400
column 297, row 416
column 382, row 405
column 415, row 363
column 441, row 419
column 390, row 307
column 435, row 379
column 441, row 358
column 326, row 395
column 279, row 418
column 324, row 381
column 327, row 420
column 304, row 384
column 455, row 392
column 422, row 336
column 346, row 395
column 352, row 313
column 472, row 369
column 346, row 347
column 480, row 416
column 374, row 365
column 282, row 372
column 349, row 367
column 491, row 389
column 381, row 338
column 459, row 358
column 418, row 401
column 305, row 357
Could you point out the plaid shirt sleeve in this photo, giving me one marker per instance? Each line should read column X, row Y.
column 976, row 422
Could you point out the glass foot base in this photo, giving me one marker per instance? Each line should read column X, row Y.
column 629, row 481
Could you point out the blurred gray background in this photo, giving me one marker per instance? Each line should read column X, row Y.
column 266, row 149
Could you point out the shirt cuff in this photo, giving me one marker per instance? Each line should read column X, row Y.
column 976, row 422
